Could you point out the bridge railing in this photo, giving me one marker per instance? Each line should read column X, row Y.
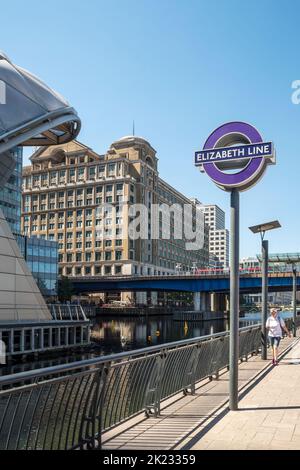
column 197, row 273
column 69, row 406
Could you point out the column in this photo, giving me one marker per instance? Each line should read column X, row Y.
column 153, row 298
column 214, row 297
column 141, row 298
column 197, row 301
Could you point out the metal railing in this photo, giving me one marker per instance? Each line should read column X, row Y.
column 66, row 312
column 26, row 338
column 69, row 406
column 196, row 273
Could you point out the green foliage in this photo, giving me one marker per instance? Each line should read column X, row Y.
column 65, row 289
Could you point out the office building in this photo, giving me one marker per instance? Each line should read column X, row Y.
column 11, row 194
column 214, row 217
column 82, row 200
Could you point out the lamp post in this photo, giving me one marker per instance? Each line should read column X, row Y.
column 262, row 229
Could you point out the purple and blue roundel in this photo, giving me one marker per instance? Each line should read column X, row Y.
column 235, row 146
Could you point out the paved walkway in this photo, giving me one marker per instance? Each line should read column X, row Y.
column 269, row 415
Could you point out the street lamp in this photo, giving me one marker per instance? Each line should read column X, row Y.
column 262, row 229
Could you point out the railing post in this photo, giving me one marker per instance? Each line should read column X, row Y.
column 192, row 374
column 154, row 408
column 94, row 428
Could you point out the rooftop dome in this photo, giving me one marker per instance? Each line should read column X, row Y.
column 132, row 138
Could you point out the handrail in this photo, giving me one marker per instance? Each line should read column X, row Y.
column 69, row 406
column 22, row 376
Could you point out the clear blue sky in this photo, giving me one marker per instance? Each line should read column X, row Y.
column 179, row 68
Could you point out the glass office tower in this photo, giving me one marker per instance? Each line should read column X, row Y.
column 42, row 259
column 11, row 194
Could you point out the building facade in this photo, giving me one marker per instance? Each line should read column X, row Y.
column 214, row 217
column 11, row 194
column 84, row 201
column 41, row 257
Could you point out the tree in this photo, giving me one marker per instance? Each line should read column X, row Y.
column 65, row 289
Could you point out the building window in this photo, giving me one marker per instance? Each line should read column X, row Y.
column 87, row 270
column 108, row 256
column 111, row 169
column 92, row 172
column 118, row 255
column 107, row 269
column 118, row 269
column 80, row 173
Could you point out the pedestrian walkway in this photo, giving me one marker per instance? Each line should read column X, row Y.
column 269, row 415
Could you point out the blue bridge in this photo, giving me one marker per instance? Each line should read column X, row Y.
column 249, row 283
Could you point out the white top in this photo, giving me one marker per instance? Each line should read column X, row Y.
column 274, row 326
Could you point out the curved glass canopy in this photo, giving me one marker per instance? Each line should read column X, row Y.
column 31, row 114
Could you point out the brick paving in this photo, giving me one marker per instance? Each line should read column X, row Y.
column 268, row 416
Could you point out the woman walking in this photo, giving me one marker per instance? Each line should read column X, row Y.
column 275, row 324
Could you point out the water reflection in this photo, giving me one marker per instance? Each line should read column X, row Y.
column 114, row 335
column 117, row 335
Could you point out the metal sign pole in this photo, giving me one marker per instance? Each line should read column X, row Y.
column 234, row 300
column 226, row 148
column 265, row 262
column 294, row 301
